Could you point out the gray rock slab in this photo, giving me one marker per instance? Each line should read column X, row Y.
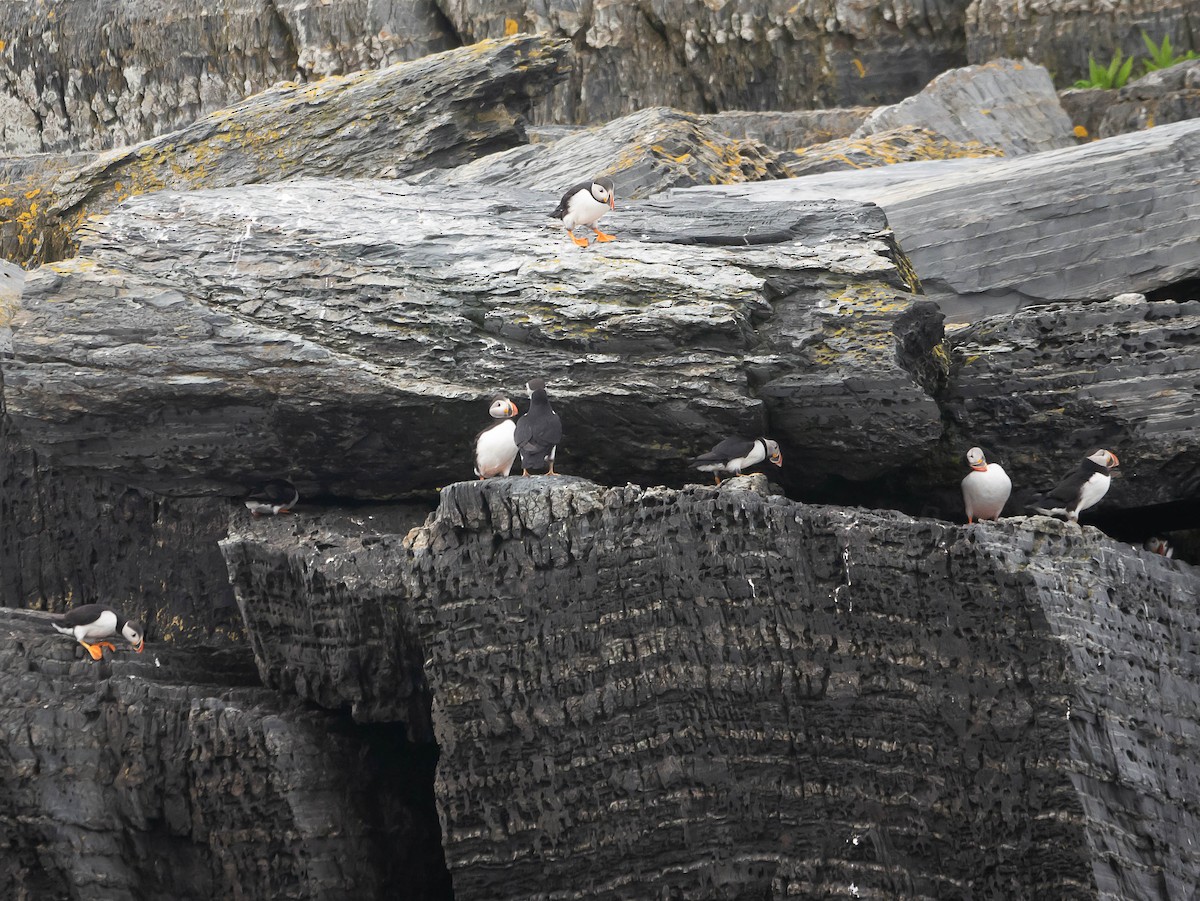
column 349, row 335
column 1004, row 103
column 1157, row 98
column 173, row 774
column 789, row 129
column 903, row 144
column 643, row 153
column 723, row 694
column 1082, row 223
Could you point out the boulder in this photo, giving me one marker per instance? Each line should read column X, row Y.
column 1086, row 108
column 1004, row 103
column 904, row 144
column 81, row 75
column 1168, row 95
column 172, row 774
column 349, row 334
column 29, row 233
column 1082, row 223
column 723, row 694
column 1062, row 36
column 644, row 153
column 789, row 129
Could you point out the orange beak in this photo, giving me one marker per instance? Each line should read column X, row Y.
column 777, row 459
column 141, row 646
column 1116, row 462
column 612, row 202
column 979, row 467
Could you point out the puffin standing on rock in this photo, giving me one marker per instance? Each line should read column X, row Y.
column 94, row 623
column 735, row 454
column 1081, row 489
column 584, row 204
column 538, row 432
column 986, row 488
column 277, row 496
column 495, row 448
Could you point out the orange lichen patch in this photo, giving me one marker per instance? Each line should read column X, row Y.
column 897, row 145
column 511, row 27
column 862, row 70
column 1080, row 132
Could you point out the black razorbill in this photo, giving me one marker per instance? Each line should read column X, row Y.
column 93, row 623
column 495, row 448
column 584, row 204
column 277, row 496
column 538, row 431
column 986, row 488
column 735, row 454
column 1081, row 489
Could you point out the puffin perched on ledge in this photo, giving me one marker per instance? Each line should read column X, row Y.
column 1081, row 489
column 277, row 496
column 986, row 487
column 94, row 623
column 495, row 449
column 735, row 454
column 584, row 204
column 538, row 432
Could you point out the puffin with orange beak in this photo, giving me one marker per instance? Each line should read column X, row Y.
column 495, row 449
column 986, row 488
column 735, row 454
column 1081, row 489
column 91, row 624
column 584, row 204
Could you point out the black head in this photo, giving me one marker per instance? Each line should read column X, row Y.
column 535, row 385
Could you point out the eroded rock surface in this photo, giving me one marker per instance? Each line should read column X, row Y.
column 1157, row 98
column 348, row 335
column 723, row 694
column 170, row 775
column 904, row 144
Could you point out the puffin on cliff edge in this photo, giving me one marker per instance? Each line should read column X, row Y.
column 495, row 447
column 275, row 497
column 1081, row 489
column 986, row 487
column 736, row 454
column 538, row 432
column 1160, row 546
column 584, row 204
column 91, row 624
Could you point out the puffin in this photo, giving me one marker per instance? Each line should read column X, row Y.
column 1081, row 489
column 584, row 204
column 1160, row 546
column 986, row 488
column 735, row 454
column 538, row 432
column 94, row 623
column 277, row 496
column 495, row 449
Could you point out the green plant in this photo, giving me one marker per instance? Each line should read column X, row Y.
column 1114, row 75
column 1164, row 56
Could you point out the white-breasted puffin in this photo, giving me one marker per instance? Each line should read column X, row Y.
column 93, row 623
column 735, row 454
column 1160, row 546
column 584, row 204
column 986, row 487
column 495, row 447
column 538, row 431
column 277, row 496
column 1081, row 489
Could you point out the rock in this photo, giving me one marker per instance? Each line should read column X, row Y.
column 1063, row 35
column 28, row 235
column 1086, row 108
column 644, row 153
column 1168, row 95
column 904, row 144
column 986, row 236
column 722, row 694
column 12, row 281
column 443, row 110
column 170, row 774
column 1004, row 103
column 789, row 129
column 347, row 335
column 1042, row 388
column 86, row 76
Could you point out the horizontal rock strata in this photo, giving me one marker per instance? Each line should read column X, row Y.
column 904, row 144
column 1157, row 98
column 348, row 335
column 725, row 695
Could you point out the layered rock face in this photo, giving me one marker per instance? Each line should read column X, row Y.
column 169, row 775
column 721, row 694
column 259, row 332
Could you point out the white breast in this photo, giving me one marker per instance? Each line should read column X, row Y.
column 105, row 626
column 584, row 209
column 757, row 454
column 985, row 493
column 496, row 450
column 1093, row 490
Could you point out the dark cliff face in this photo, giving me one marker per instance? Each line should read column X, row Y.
column 722, row 694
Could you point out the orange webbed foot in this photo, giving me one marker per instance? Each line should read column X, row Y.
column 582, row 242
column 95, row 650
column 601, row 236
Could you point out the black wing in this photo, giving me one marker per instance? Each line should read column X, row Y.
column 536, row 435
column 81, row 616
column 561, row 209
column 1068, row 489
column 281, row 491
column 729, row 449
